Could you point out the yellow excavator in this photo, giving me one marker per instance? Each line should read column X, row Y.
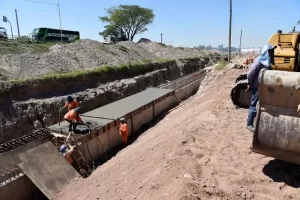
column 277, row 124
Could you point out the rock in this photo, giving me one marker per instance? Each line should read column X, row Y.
column 244, row 194
column 37, row 124
column 187, row 175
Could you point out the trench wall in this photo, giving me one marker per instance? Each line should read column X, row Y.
column 98, row 142
column 30, row 106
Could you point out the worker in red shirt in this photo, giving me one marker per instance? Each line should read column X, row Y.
column 71, row 103
column 73, row 118
column 123, row 130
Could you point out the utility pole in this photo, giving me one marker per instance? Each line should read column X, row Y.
column 17, row 22
column 61, row 37
column 58, row 13
column 161, row 38
column 240, row 48
column 230, row 21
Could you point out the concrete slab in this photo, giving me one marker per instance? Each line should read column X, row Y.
column 124, row 106
column 106, row 114
column 47, row 168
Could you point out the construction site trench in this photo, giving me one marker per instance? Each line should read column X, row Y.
column 31, row 106
column 27, row 109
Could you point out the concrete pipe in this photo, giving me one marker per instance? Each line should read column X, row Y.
column 277, row 132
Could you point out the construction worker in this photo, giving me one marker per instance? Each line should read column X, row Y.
column 66, row 154
column 73, row 118
column 298, row 110
column 71, row 103
column 123, row 130
column 264, row 60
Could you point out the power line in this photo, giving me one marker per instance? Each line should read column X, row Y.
column 76, row 13
column 13, row 6
column 42, row 2
column 57, row 4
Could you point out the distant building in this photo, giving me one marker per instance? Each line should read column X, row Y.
column 256, row 50
column 145, row 40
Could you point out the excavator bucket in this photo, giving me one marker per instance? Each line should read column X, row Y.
column 277, row 129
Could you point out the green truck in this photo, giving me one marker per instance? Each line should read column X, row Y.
column 50, row 34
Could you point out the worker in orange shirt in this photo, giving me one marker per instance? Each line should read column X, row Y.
column 73, row 118
column 71, row 103
column 123, row 130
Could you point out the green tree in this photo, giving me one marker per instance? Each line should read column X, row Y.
column 125, row 21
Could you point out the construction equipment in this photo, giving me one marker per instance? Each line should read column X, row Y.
column 277, row 124
column 287, row 58
column 3, row 33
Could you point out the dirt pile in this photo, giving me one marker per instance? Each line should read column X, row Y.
column 198, row 151
column 170, row 52
column 84, row 54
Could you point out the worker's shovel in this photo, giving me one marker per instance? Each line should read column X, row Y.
column 59, row 112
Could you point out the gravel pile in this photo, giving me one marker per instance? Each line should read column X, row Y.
column 86, row 54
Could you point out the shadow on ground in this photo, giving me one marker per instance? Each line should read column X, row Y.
column 281, row 171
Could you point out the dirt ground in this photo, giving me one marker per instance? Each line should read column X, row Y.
column 200, row 150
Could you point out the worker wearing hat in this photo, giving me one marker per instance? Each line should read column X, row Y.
column 73, row 118
column 264, row 60
column 65, row 153
column 123, row 130
column 71, row 103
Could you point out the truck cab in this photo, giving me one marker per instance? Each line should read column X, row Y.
column 3, row 33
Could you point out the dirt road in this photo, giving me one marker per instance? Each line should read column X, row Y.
column 199, row 151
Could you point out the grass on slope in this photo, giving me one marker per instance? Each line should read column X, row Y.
column 221, row 65
column 15, row 47
column 131, row 68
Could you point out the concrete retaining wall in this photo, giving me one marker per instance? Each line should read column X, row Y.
column 20, row 189
column 108, row 135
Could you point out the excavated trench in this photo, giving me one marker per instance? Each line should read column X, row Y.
column 29, row 107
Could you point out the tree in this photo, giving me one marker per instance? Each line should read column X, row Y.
column 125, row 21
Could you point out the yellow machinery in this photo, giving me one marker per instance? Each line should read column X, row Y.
column 277, row 125
column 286, row 59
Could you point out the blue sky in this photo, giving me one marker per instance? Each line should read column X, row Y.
column 189, row 22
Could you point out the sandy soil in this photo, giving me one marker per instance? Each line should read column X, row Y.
column 199, row 151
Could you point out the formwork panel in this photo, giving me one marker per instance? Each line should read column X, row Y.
column 114, row 139
column 124, row 106
column 142, row 118
column 90, row 150
column 163, row 105
column 188, row 90
column 129, row 124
